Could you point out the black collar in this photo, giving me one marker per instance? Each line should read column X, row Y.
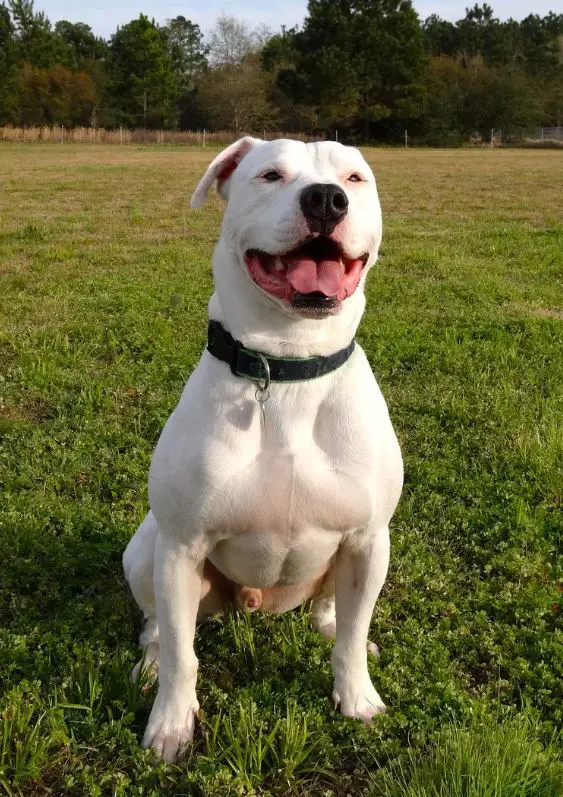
column 249, row 363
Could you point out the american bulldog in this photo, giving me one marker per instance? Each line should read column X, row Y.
column 276, row 476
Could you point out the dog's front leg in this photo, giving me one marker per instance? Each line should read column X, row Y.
column 361, row 567
column 178, row 570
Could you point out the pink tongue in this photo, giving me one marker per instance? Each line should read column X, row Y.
column 307, row 276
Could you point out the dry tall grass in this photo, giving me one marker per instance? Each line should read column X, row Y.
column 100, row 135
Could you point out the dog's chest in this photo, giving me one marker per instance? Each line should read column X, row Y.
column 291, row 490
column 281, row 517
column 289, row 494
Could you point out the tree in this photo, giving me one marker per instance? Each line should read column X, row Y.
column 289, row 89
column 230, row 40
column 8, row 68
column 80, row 39
column 359, row 63
column 367, row 67
column 446, row 89
column 236, row 92
column 512, row 101
column 88, row 55
column 143, row 85
column 34, row 40
column 468, row 97
column 236, row 97
column 540, row 42
column 480, row 34
column 441, row 37
column 188, row 54
column 6, row 33
column 54, row 96
column 187, row 50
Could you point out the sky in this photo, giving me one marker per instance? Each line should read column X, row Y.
column 105, row 15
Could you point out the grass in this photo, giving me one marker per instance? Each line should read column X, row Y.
column 482, row 760
column 105, row 276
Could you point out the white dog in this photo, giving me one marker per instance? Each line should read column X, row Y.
column 279, row 469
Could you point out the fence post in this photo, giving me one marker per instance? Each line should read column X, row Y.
column 62, row 134
column 203, row 138
column 406, row 140
column 492, row 137
column 336, row 135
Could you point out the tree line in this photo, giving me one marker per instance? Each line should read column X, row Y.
column 367, row 68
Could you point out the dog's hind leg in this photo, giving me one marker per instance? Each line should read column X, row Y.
column 323, row 612
column 138, row 565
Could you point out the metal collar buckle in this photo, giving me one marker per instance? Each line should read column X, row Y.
column 262, row 393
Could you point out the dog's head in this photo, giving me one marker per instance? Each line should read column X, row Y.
column 303, row 220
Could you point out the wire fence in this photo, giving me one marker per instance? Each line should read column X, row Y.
column 543, row 136
column 550, row 133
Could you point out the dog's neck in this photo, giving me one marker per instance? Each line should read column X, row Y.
column 260, row 324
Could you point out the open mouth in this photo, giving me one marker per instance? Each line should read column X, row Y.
column 316, row 273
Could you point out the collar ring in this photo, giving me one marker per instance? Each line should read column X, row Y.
column 264, row 390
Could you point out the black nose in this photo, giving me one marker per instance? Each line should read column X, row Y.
column 323, row 205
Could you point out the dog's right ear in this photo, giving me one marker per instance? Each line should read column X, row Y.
column 221, row 169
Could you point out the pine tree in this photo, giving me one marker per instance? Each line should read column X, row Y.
column 359, row 63
column 143, row 85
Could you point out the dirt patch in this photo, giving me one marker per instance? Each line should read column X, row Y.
column 31, row 409
column 541, row 312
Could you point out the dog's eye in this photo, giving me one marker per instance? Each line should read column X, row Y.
column 272, row 176
column 355, row 178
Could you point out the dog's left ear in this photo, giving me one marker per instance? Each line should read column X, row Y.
column 221, row 169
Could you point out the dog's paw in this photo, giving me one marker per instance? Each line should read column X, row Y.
column 146, row 669
column 357, row 698
column 327, row 628
column 373, row 650
column 170, row 728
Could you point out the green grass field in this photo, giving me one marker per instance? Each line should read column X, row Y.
column 105, row 276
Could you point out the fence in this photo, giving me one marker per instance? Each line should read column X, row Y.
column 543, row 136
column 550, row 133
column 99, row 135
